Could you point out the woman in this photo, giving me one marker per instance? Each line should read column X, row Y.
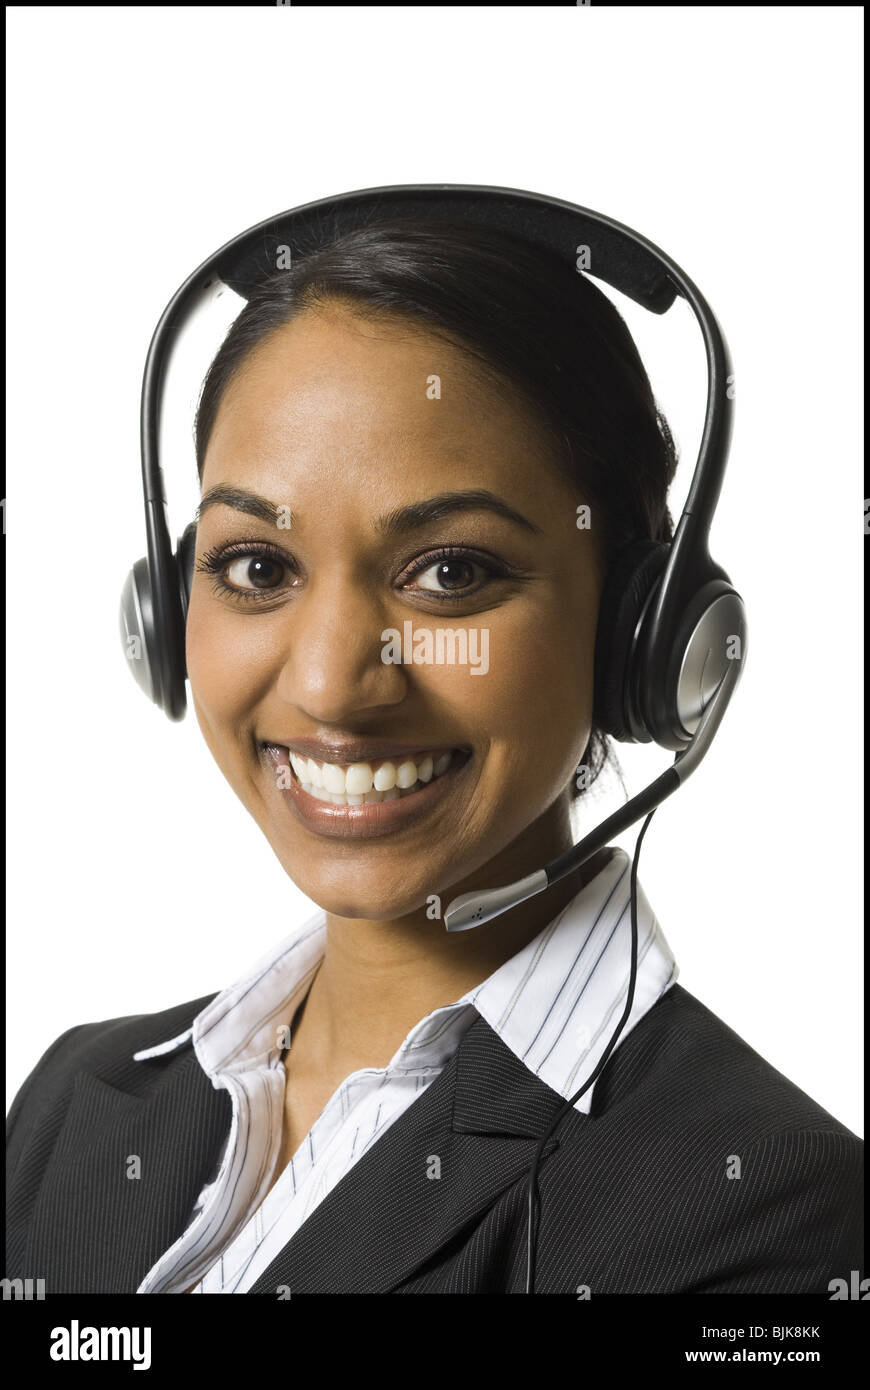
column 391, row 650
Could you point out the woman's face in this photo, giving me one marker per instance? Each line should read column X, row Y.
column 339, row 425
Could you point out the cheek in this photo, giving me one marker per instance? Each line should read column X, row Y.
column 551, row 696
column 529, row 715
column 555, row 682
column 541, row 675
column 229, row 663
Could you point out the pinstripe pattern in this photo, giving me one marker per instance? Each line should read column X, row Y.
column 697, row 1167
column 555, row 1004
column 639, row 1198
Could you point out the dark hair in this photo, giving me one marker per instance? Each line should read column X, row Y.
column 525, row 315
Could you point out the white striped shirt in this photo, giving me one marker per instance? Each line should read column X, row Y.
column 555, row 1004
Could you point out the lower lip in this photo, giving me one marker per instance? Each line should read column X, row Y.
column 366, row 822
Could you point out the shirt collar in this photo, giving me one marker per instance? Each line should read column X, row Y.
column 555, row 1003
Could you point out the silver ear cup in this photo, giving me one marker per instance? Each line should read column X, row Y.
column 137, row 625
column 716, row 637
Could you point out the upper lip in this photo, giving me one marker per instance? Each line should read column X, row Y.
column 355, row 750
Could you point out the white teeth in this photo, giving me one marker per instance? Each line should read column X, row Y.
column 333, row 777
column 358, row 784
column 385, row 777
column 359, row 780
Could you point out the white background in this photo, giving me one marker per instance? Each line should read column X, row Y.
column 143, row 139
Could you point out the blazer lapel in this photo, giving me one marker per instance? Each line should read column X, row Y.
column 102, row 1219
column 449, row 1156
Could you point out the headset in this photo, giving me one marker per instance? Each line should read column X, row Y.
column 671, row 640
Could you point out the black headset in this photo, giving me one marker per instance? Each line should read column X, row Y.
column 671, row 637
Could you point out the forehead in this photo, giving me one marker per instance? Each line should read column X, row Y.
column 372, row 405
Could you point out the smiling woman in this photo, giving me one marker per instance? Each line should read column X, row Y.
column 284, row 628
column 397, row 437
column 360, row 331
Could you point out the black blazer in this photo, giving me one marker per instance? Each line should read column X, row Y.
column 636, row 1196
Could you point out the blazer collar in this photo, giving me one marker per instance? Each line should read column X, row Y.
column 124, row 1175
column 470, row 1136
column 98, row 1228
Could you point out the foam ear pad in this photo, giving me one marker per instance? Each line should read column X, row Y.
column 632, row 575
column 185, row 559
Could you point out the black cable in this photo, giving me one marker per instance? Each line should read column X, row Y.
column 569, row 1104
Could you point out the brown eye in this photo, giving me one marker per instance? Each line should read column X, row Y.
column 255, row 570
column 447, row 576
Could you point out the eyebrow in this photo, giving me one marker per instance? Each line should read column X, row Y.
column 418, row 514
column 412, row 517
column 240, row 500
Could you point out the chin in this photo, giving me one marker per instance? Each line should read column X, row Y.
column 367, row 905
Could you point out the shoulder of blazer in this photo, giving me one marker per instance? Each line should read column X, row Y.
column 708, row 1139
column 695, row 1065
column 106, row 1050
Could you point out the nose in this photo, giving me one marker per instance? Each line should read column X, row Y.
column 332, row 668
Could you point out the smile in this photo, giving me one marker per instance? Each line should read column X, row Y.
column 364, row 797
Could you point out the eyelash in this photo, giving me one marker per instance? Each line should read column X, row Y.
column 216, row 560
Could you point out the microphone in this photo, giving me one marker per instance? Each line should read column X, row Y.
column 471, row 909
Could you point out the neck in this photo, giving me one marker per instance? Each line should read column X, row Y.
column 378, row 979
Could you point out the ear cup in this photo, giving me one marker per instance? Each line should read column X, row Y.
column 137, row 629
column 632, row 576
column 160, row 672
column 711, row 635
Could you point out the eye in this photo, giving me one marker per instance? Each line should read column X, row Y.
column 245, row 571
column 447, row 576
column 453, row 572
column 259, row 571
